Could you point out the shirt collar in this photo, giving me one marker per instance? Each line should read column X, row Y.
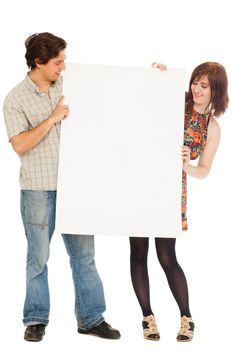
column 32, row 86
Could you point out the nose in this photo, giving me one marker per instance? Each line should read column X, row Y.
column 196, row 88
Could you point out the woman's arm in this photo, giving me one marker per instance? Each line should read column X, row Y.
column 207, row 157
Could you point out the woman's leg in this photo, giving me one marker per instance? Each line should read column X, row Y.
column 139, row 272
column 176, row 278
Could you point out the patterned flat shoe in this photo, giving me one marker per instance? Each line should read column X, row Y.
column 150, row 330
column 186, row 331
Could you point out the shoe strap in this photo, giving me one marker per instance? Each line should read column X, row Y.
column 151, row 325
column 185, row 327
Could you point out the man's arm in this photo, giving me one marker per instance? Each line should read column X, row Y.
column 27, row 140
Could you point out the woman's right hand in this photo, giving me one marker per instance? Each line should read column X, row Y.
column 159, row 66
column 185, row 155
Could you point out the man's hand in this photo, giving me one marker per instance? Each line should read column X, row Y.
column 60, row 112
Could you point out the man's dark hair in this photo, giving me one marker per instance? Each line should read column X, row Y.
column 42, row 46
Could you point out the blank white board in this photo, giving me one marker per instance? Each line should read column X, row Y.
column 120, row 167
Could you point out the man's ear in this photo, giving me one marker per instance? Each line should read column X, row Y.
column 37, row 62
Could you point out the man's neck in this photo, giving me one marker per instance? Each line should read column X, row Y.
column 42, row 84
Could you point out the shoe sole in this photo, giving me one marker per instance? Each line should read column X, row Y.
column 33, row 340
column 95, row 335
column 153, row 339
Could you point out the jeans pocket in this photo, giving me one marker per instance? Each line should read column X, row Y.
column 36, row 208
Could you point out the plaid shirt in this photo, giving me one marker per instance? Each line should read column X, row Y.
column 24, row 108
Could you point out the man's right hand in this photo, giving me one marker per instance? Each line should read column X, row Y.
column 60, row 112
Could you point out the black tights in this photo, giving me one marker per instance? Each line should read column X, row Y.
column 165, row 248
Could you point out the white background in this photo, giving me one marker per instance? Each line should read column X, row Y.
column 112, row 152
column 180, row 34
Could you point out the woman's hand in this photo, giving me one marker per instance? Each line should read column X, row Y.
column 160, row 66
column 185, row 155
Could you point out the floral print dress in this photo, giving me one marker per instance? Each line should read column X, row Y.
column 195, row 137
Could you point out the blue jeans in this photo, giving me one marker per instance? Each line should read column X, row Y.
column 38, row 214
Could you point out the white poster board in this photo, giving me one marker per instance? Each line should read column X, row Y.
column 120, row 167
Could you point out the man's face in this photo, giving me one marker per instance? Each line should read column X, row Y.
column 51, row 71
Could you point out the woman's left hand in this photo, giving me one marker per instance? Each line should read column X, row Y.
column 159, row 66
column 185, row 155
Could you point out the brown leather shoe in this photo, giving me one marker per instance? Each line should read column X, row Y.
column 103, row 330
column 34, row 332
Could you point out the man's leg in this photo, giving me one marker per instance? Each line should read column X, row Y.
column 89, row 294
column 38, row 214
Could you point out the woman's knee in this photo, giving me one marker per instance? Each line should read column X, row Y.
column 167, row 261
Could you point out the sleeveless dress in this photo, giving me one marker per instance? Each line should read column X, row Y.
column 195, row 137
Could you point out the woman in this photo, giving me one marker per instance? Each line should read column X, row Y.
column 207, row 98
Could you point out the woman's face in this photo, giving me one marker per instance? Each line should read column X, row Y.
column 201, row 93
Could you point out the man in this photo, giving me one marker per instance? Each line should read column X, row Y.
column 33, row 113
